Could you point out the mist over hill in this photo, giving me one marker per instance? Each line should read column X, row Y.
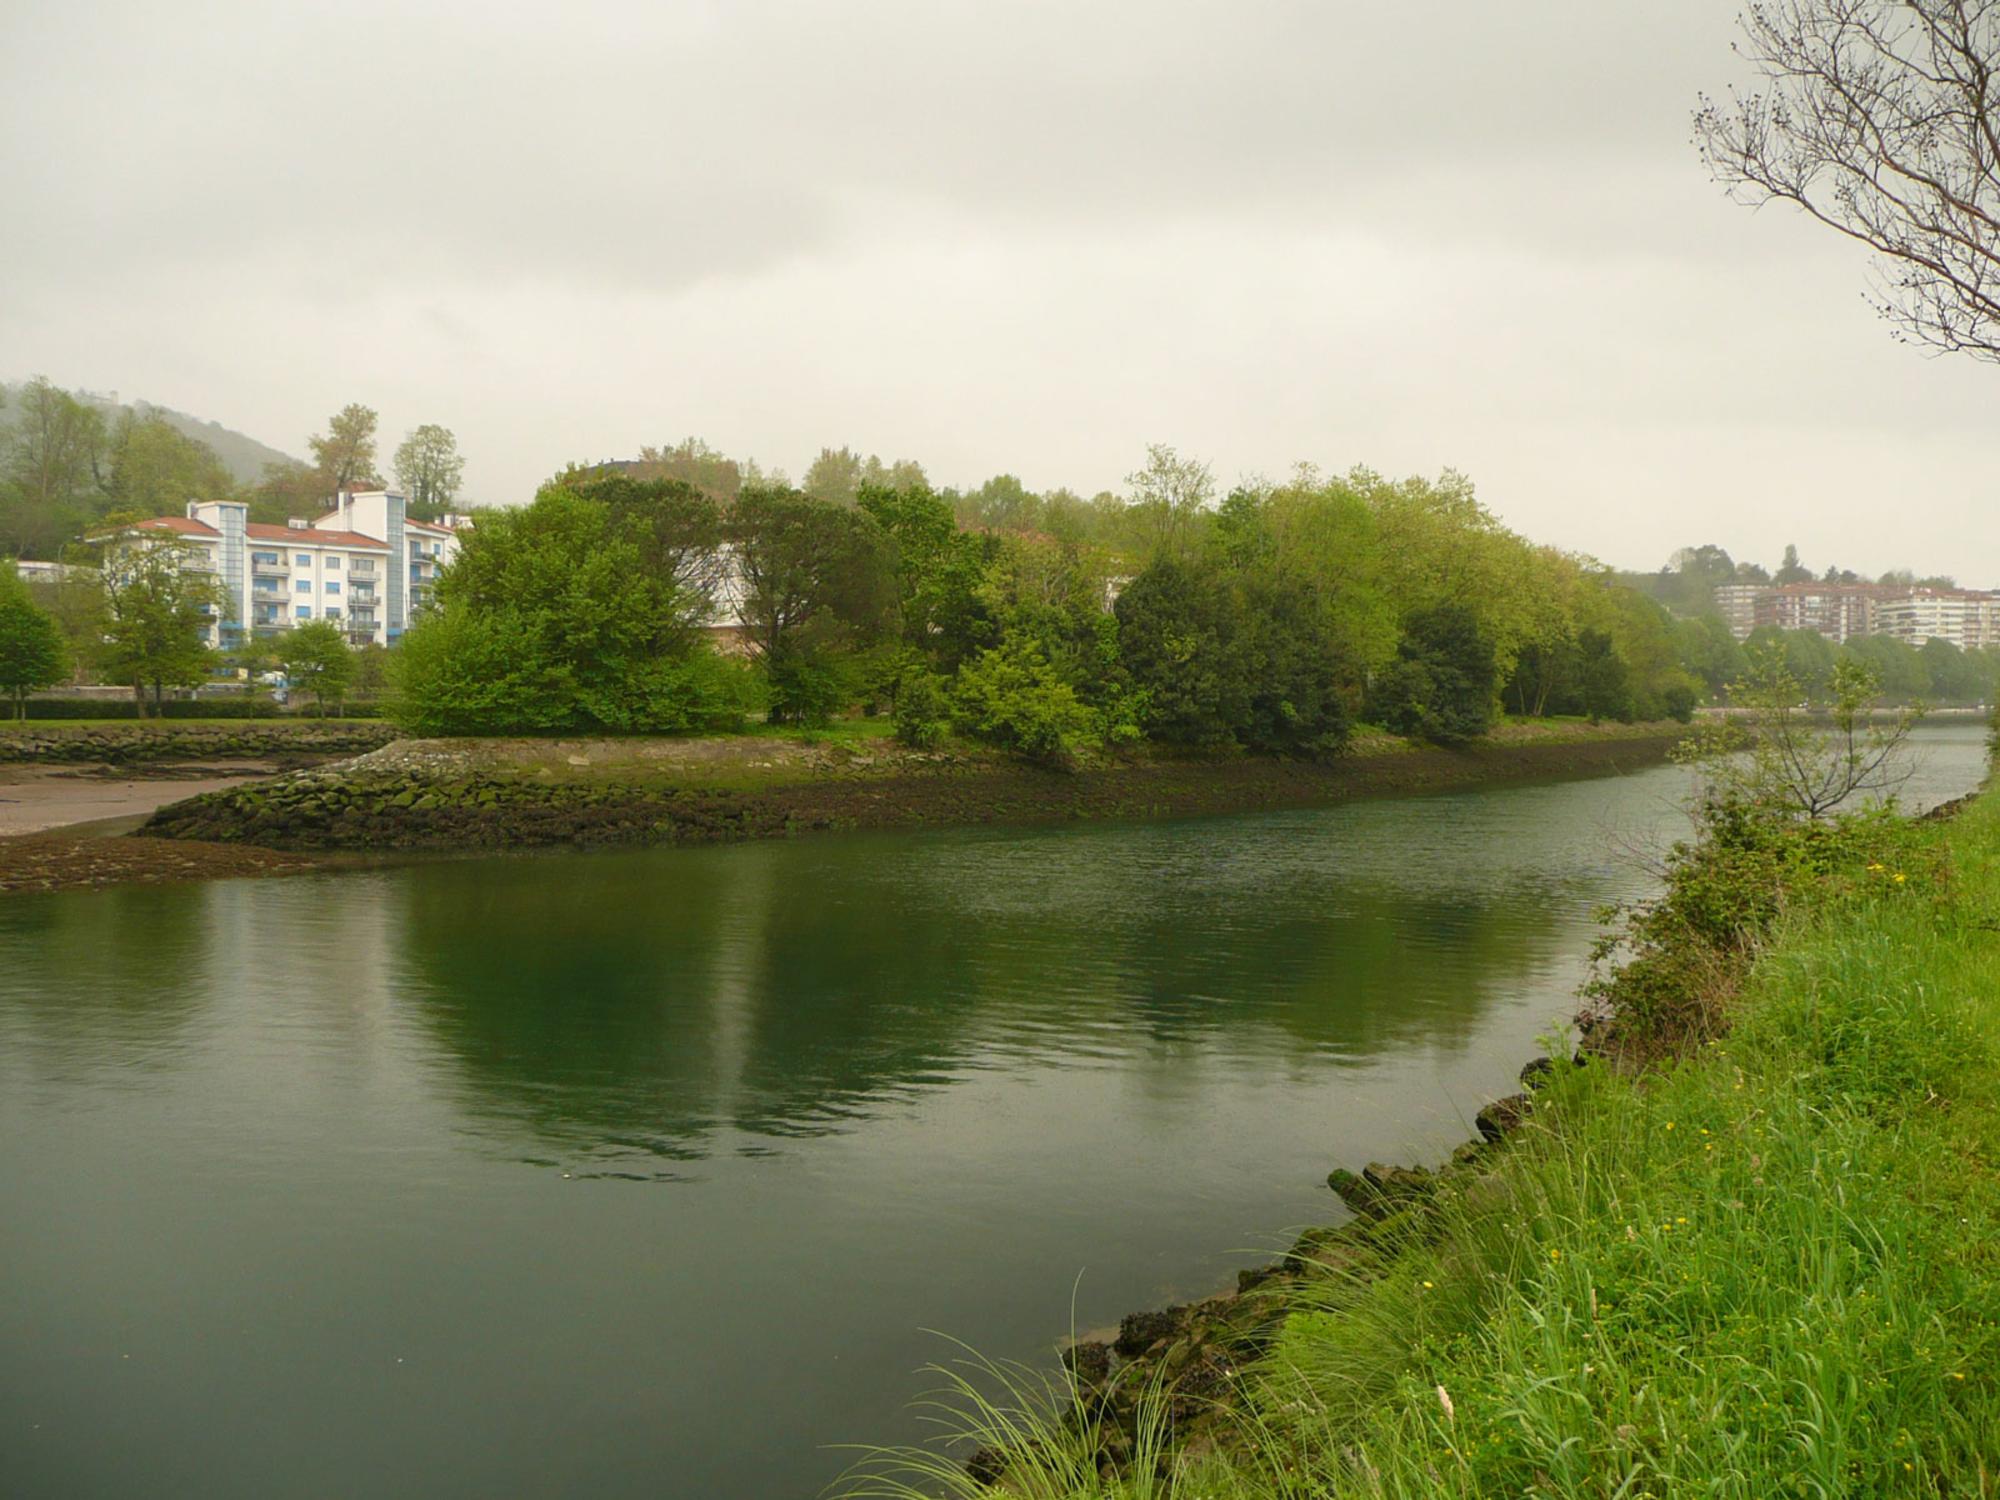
column 242, row 455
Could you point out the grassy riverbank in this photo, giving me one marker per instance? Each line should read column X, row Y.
column 495, row 794
column 1766, row 1264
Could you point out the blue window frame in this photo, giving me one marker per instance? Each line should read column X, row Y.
column 305, row 611
column 303, row 559
column 333, row 586
column 305, row 586
column 334, row 561
column 333, row 611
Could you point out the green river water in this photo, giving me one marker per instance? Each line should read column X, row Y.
column 645, row 1174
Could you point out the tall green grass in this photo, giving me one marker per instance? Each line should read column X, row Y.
column 1768, row 1268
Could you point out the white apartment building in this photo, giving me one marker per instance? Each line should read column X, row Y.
column 365, row 566
column 1968, row 618
column 1737, row 604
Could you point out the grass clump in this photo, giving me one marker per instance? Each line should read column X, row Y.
column 1765, row 1264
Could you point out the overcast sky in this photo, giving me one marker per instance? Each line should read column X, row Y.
column 1025, row 237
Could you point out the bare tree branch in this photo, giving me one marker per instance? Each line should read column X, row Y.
column 1879, row 119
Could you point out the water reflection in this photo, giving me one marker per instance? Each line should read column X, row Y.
column 781, row 991
column 111, row 982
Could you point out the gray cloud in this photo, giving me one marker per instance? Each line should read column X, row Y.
column 1026, row 235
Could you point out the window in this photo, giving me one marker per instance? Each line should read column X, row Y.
column 264, row 557
column 334, row 561
column 333, row 611
column 304, row 559
column 305, row 586
column 305, row 611
column 333, row 586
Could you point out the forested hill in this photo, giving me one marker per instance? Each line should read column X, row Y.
column 242, row 455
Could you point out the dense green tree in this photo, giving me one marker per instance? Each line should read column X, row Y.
column 1604, row 678
column 550, row 621
column 32, row 653
column 157, row 612
column 74, row 599
column 1441, row 685
column 1954, row 676
column 345, row 452
column 816, row 579
column 430, row 470
column 1298, row 677
column 52, row 470
column 1900, row 673
column 1791, row 570
column 692, row 462
column 317, row 660
column 1807, row 657
column 938, row 571
column 1707, row 650
column 838, row 475
column 1168, row 498
column 155, row 469
column 678, row 530
column 289, row 491
column 1180, row 636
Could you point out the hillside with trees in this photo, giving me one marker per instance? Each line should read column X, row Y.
column 71, row 461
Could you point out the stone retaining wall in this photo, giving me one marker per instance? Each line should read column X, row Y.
column 248, row 739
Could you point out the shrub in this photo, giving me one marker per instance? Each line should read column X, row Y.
column 1678, row 699
column 1010, row 696
column 805, row 686
column 460, row 672
column 923, row 711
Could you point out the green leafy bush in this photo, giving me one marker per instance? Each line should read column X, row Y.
column 923, row 711
column 1012, row 697
column 806, row 686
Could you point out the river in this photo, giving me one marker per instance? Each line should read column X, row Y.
column 644, row 1174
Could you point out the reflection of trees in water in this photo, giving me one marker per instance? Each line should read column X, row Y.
column 638, row 1005
column 105, row 979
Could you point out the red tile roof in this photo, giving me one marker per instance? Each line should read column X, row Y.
column 428, row 526
column 314, row 537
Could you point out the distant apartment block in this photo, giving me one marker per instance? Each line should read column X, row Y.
column 1838, row 611
column 1968, row 618
column 1737, row 603
column 364, row 565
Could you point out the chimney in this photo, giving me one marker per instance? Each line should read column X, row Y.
column 297, row 523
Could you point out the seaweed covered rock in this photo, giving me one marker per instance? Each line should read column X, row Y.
column 1502, row 1117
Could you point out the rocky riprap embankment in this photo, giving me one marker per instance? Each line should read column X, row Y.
column 125, row 744
column 466, row 795
column 1190, row 1358
column 354, row 806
